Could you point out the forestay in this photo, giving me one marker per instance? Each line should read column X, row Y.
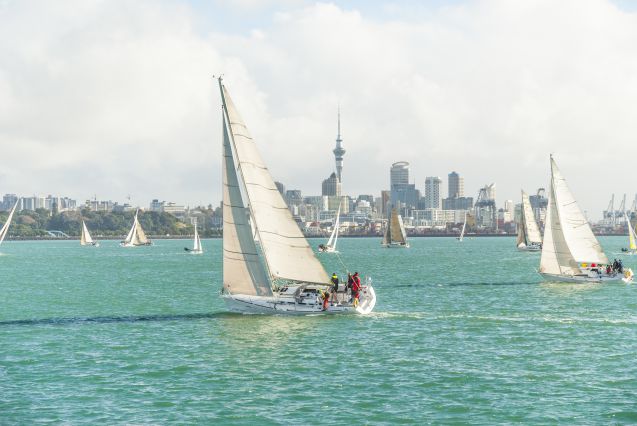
column 287, row 254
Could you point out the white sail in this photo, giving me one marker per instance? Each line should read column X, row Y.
column 386, row 235
column 197, row 243
column 85, row 238
column 568, row 239
column 397, row 233
column 632, row 236
column 331, row 243
column 287, row 253
column 136, row 236
column 5, row 227
column 531, row 230
column 129, row 236
column 464, row 225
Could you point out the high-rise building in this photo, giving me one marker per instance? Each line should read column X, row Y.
column 399, row 174
column 8, row 201
column 331, row 186
column 456, row 185
column 433, row 197
column 280, row 187
column 339, row 151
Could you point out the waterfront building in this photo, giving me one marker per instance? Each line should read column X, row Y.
column 8, row 201
column 433, row 196
column 461, row 203
column 456, row 185
column 280, row 187
column 404, row 195
column 331, row 186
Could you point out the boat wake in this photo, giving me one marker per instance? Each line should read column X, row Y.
column 114, row 319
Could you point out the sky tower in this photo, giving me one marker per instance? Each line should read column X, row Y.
column 339, row 151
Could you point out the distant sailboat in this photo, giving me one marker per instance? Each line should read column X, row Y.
column 136, row 236
column 196, row 247
column 268, row 265
column 632, row 237
column 570, row 251
column 85, row 238
column 529, row 238
column 5, row 227
column 395, row 235
column 330, row 247
column 464, row 225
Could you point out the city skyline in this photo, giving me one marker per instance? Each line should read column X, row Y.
column 129, row 108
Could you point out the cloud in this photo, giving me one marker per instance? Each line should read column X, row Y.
column 115, row 98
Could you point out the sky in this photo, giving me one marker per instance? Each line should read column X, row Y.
column 117, row 98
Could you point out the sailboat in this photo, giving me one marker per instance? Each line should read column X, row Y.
column 136, row 236
column 196, row 247
column 464, row 225
column 268, row 265
column 330, row 247
column 85, row 238
column 395, row 235
column 570, row 251
column 632, row 237
column 5, row 227
column 529, row 238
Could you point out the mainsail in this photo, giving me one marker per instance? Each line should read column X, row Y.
column 331, row 243
column 568, row 238
column 528, row 231
column 197, row 244
column 85, row 238
column 397, row 229
column 631, row 234
column 464, row 225
column 5, row 227
column 251, row 201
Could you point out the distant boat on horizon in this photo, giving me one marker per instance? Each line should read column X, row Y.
column 136, row 236
column 529, row 237
column 85, row 238
column 5, row 227
column 464, row 225
column 330, row 247
column 395, row 235
column 196, row 246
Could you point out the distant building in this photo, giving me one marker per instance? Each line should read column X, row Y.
column 339, row 151
column 461, row 203
column 280, row 187
column 293, row 198
column 456, row 185
column 399, row 174
column 8, row 201
column 433, row 197
column 404, row 195
column 331, row 186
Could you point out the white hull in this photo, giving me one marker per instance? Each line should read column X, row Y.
column 532, row 248
column 93, row 244
column 582, row 278
column 196, row 252
column 134, row 245
column 328, row 250
column 289, row 304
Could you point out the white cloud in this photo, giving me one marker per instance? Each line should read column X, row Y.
column 117, row 97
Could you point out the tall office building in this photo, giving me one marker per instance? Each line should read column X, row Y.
column 399, row 174
column 456, row 185
column 433, row 198
column 339, row 151
column 331, row 186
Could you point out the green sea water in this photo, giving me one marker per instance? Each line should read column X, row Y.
column 462, row 333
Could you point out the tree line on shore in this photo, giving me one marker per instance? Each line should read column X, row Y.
column 33, row 224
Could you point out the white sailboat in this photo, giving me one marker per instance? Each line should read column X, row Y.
column 395, row 235
column 268, row 265
column 85, row 238
column 330, row 247
column 570, row 251
column 196, row 246
column 136, row 236
column 5, row 227
column 464, row 226
column 529, row 238
column 632, row 237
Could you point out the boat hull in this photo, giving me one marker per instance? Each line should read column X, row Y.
column 581, row 278
column 533, row 248
column 396, row 245
column 135, row 245
column 286, row 305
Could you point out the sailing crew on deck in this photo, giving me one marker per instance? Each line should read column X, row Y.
column 356, row 287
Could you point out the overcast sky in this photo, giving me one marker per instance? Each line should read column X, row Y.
column 116, row 98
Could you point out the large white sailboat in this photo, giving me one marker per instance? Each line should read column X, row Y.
column 395, row 235
column 85, row 238
column 529, row 237
column 268, row 265
column 136, row 236
column 330, row 247
column 464, row 226
column 5, row 227
column 196, row 245
column 570, row 251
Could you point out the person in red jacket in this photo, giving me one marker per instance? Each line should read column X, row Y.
column 356, row 287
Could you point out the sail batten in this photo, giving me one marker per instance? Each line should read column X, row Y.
column 286, row 251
